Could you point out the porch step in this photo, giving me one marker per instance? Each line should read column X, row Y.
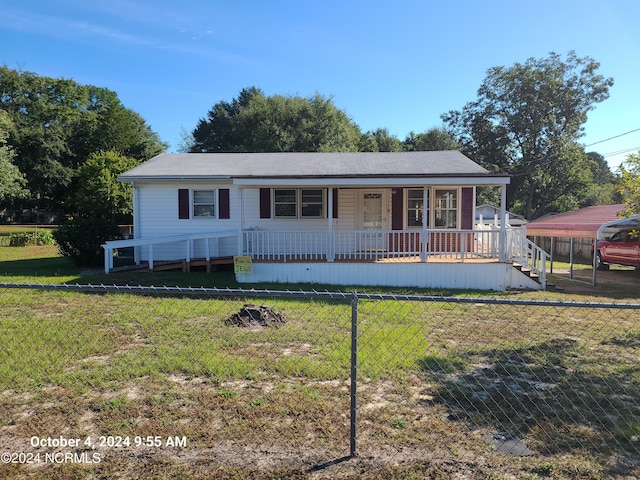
column 527, row 271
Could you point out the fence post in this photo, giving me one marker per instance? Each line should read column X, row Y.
column 354, row 374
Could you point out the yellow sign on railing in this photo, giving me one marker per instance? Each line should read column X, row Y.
column 242, row 264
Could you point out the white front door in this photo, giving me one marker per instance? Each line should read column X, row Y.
column 373, row 219
column 372, row 210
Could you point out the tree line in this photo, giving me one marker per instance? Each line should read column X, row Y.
column 526, row 122
column 62, row 144
column 49, row 129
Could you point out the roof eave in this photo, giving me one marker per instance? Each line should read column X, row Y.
column 342, row 180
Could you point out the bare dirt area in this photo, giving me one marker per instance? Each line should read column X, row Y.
column 272, row 428
column 615, row 283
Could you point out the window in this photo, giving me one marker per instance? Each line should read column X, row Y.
column 311, row 206
column 298, row 203
column 204, row 204
column 416, row 209
column 446, row 208
column 285, row 204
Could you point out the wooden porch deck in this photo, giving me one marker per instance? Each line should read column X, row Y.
column 453, row 258
column 213, row 263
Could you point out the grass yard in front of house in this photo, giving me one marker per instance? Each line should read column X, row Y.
column 437, row 380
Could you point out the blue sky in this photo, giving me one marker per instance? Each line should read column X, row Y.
column 396, row 65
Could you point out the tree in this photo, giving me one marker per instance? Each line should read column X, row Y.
column 605, row 187
column 630, row 183
column 187, row 141
column 99, row 200
column 434, row 139
column 254, row 122
column 12, row 181
column 57, row 124
column 98, row 192
column 526, row 122
column 379, row 140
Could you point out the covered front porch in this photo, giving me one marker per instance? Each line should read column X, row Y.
column 487, row 257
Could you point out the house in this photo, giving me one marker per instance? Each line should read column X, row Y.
column 398, row 219
column 491, row 214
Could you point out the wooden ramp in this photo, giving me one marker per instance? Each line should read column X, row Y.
column 185, row 266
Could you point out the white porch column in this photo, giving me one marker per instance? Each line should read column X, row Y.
column 503, row 223
column 151, row 256
column 330, row 236
column 425, row 219
column 240, row 232
column 136, row 222
column 108, row 255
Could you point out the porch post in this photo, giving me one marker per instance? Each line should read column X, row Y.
column 503, row 226
column 425, row 220
column 330, row 243
column 570, row 258
column 107, row 253
column 136, row 222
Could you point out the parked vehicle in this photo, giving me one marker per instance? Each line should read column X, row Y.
column 622, row 248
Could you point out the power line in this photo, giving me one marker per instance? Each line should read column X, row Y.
column 620, row 152
column 611, row 138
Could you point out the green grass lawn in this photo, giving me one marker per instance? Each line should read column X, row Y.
column 437, row 380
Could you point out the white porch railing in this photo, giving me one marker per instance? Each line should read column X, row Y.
column 351, row 246
column 371, row 245
column 186, row 242
column 526, row 253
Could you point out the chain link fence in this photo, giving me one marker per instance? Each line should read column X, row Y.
column 123, row 382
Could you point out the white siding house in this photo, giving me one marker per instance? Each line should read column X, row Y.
column 403, row 219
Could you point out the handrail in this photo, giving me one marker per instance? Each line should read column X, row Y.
column 137, row 242
column 370, row 245
column 112, row 245
column 527, row 253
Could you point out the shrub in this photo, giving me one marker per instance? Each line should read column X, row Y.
column 23, row 239
column 79, row 239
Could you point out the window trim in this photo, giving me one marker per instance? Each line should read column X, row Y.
column 426, row 213
column 299, row 205
column 458, row 208
column 214, row 192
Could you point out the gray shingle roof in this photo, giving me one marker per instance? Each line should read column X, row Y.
column 306, row 165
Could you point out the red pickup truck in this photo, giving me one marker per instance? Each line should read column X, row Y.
column 623, row 248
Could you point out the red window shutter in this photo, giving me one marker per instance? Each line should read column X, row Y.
column 223, row 203
column 334, row 211
column 467, row 208
column 265, row 203
column 183, row 204
column 397, row 209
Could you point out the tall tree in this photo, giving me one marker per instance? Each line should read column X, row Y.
column 12, row 181
column 630, row 183
column 605, row 187
column 433, row 139
column 379, row 140
column 527, row 121
column 58, row 124
column 99, row 193
column 254, row 122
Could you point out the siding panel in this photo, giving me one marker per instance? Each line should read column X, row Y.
column 159, row 217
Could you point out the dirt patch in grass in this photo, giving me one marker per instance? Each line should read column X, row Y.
column 255, row 317
column 616, row 283
column 274, row 428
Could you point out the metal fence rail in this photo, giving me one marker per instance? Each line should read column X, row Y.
column 196, row 381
